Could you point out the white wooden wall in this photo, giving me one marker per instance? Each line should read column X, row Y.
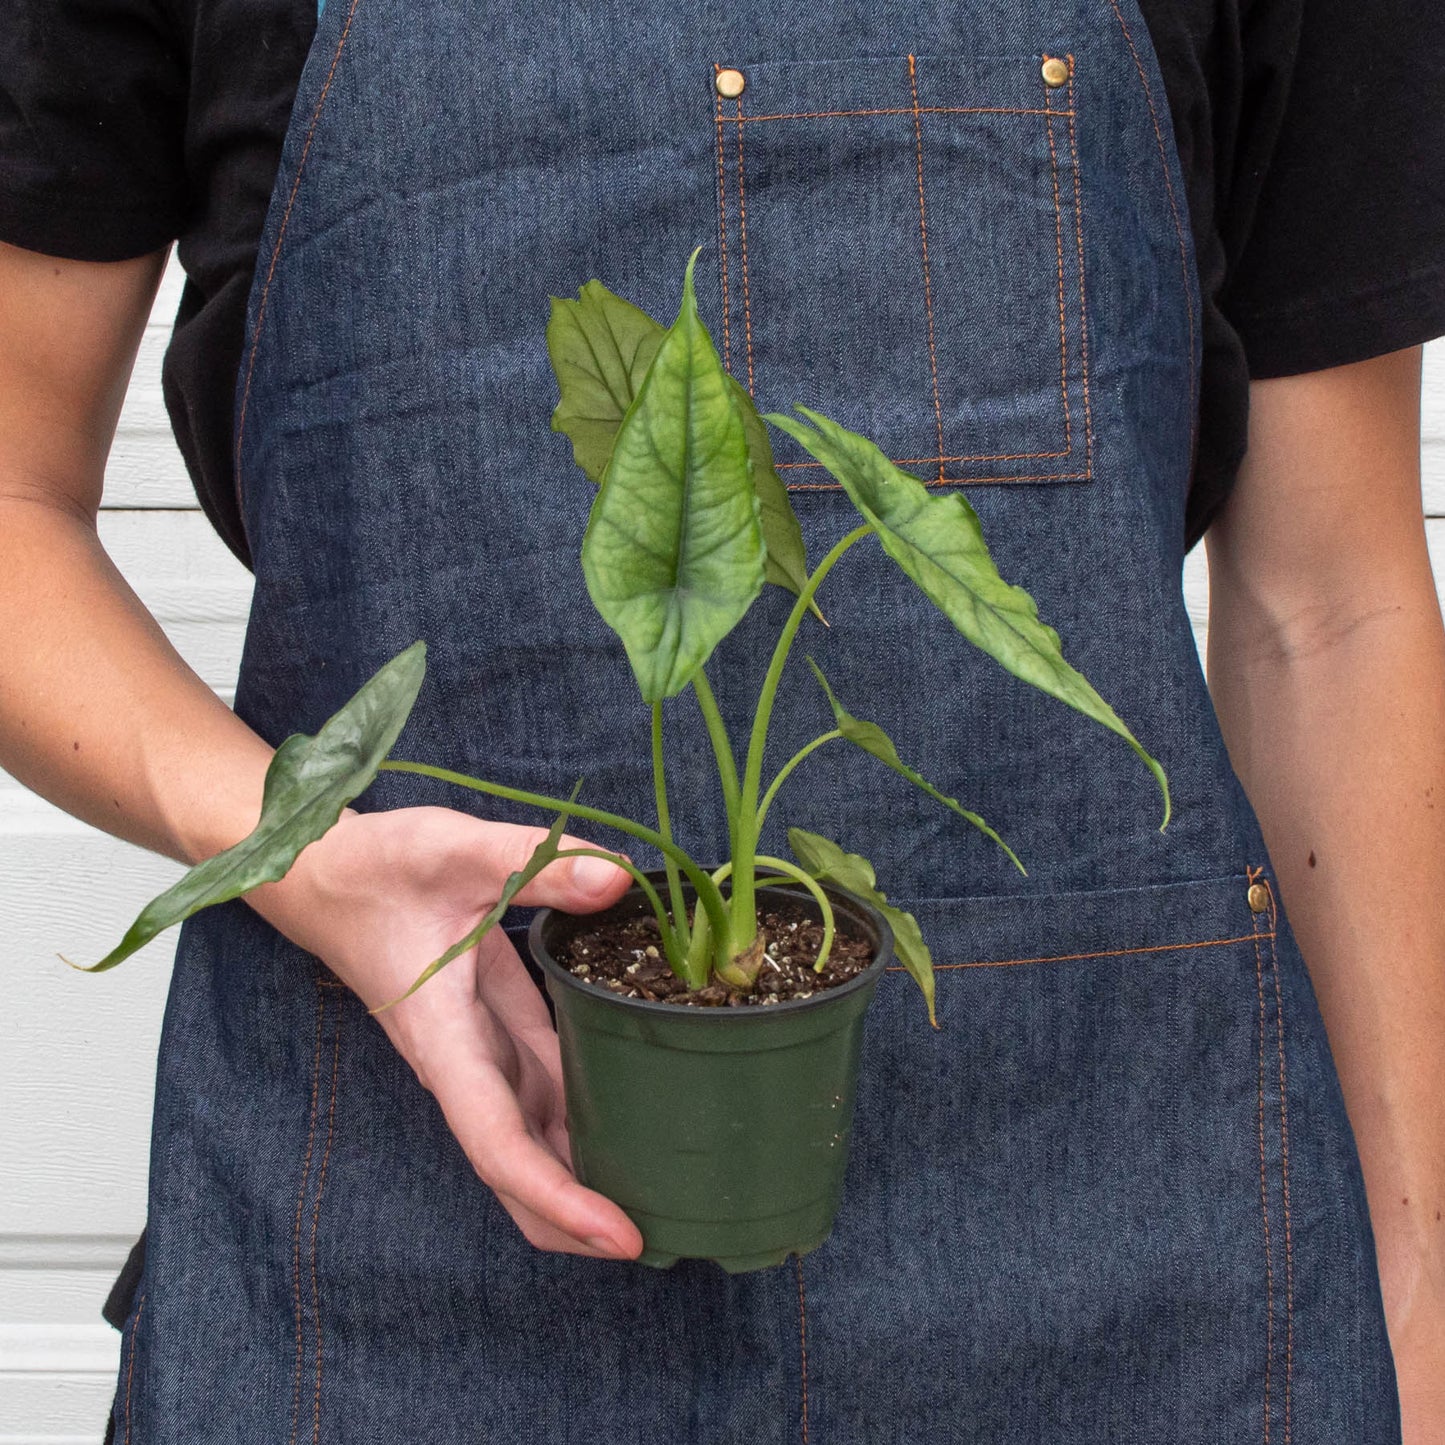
column 78, row 1057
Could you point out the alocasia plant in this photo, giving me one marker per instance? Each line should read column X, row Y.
column 690, row 522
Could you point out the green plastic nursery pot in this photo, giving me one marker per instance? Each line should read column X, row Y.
column 721, row 1132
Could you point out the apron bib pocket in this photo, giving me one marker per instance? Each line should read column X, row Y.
column 901, row 246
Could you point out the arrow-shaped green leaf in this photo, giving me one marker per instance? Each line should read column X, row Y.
column 828, row 863
column 309, row 782
column 936, row 538
column 872, row 739
column 673, row 554
column 601, row 347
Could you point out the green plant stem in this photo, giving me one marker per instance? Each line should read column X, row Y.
column 727, row 767
column 664, row 827
column 787, row 870
column 699, row 957
column 698, row 946
column 708, row 894
column 698, row 962
column 669, row 937
column 742, row 911
column 791, row 870
column 785, row 770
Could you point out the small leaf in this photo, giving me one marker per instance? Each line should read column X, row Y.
column 601, row 347
column 828, row 863
column 544, row 853
column 673, row 555
column 309, row 782
column 872, row 739
column 936, row 538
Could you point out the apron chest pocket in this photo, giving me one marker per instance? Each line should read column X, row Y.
column 901, row 246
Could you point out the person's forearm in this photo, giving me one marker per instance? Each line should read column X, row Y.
column 1335, row 723
column 98, row 713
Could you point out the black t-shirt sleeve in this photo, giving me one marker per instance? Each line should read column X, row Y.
column 1344, row 256
column 92, row 124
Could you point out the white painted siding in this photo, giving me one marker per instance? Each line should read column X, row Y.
column 74, row 1147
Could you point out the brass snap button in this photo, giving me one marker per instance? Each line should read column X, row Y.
column 1054, row 71
column 1258, row 896
column 729, row 83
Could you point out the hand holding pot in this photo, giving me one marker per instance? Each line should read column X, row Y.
column 384, row 893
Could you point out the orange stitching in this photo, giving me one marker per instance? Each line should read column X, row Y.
column 281, row 236
column 743, row 242
column 1083, row 301
column 1263, row 1196
column 919, row 461
column 1059, row 251
column 130, row 1367
column 991, row 481
column 315, row 1220
column 1173, row 203
column 1104, row 953
column 927, row 278
column 908, row 110
column 956, row 481
column 803, row 1338
column 722, row 225
column 1284, row 1149
column 300, row 1208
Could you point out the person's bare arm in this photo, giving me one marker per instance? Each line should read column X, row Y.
column 1327, row 667
column 99, row 714
column 97, row 711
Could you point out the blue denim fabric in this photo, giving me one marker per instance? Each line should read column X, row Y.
column 1116, row 1197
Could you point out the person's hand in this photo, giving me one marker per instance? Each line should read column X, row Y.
column 382, row 895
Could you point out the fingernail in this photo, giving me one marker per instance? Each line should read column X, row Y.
column 605, row 1246
column 593, row 875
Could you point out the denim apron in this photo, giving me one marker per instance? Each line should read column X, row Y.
column 1115, row 1197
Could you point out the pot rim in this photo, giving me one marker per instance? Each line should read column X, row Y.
column 714, row 1017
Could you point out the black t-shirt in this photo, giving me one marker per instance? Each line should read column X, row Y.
column 1310, row 134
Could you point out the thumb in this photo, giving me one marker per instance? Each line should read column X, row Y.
column 577, row 885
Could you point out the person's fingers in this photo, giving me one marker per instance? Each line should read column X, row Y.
column 484, row 1113
column 508, row 990
column 519, row 1006
column 557, row 1138
column 541, row 1234
column 505, row 986
column 494, row 974
column 560, row 1211
column 577, row 885
column 492, row 1000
